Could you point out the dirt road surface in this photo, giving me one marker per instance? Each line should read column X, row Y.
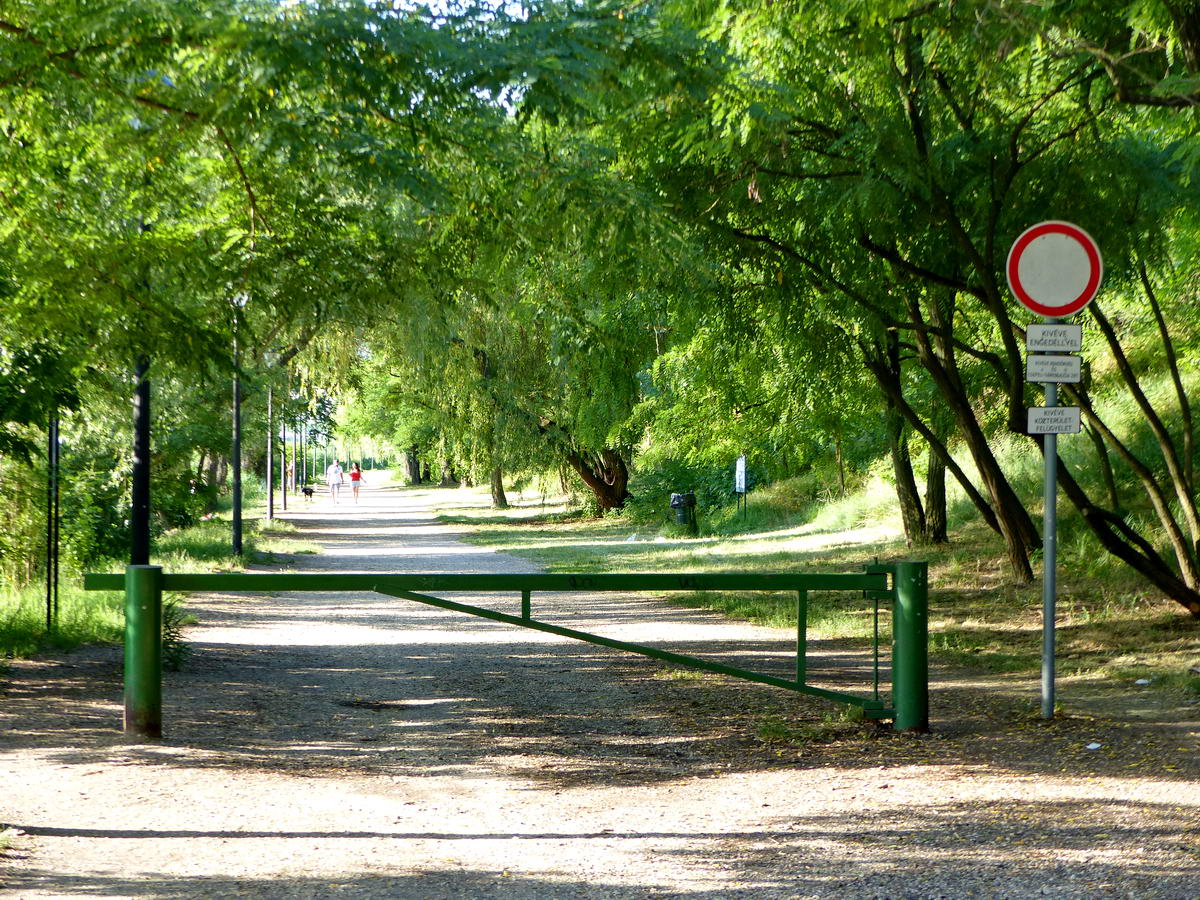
column 322, row 745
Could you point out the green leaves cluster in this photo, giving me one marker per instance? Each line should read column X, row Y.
column 580, row 235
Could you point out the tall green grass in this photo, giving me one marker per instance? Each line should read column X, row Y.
column 98, row 616
column 82, row 618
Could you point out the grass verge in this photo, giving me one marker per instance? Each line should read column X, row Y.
column 1109, row 625
column 99, row 616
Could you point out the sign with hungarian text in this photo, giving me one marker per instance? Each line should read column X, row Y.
column 1054, row 420
column 1053, row 369
column 1054, row 338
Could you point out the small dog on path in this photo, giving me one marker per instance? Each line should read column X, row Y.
column 307, row 492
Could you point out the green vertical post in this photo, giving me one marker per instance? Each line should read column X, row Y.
column 801, row 636
column 143, row 651
column 910, row 647
column 525, row 611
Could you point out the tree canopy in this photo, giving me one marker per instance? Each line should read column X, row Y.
column 601, row 239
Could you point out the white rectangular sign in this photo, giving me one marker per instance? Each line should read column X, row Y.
column 739, row 476
column 1054, row 420
column 1061, row 369
column 1056, row 338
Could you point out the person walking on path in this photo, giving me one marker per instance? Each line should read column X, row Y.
column 356, row 479
column 333, row 475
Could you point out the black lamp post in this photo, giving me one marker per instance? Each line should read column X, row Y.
column 52, row 520
column 270, row 457
column 239, row 304
column 139, row 553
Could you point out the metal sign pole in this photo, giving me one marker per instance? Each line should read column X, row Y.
column 1049, row 556
column 1054, row 269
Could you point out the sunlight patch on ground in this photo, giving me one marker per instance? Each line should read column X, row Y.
column 404, row 551
column 807, row 543
column 376, row 531
column 325, row 635
column 761, row 543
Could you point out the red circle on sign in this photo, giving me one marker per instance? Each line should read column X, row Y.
column 1089, row 286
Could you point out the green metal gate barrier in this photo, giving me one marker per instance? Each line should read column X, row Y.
column 908, row 591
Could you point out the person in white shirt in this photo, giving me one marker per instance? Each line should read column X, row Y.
column 333, row 476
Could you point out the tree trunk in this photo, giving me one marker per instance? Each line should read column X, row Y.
column 412, row 466
column 1187, row 555
column 935, row 441
column 1016, row 526
column 210, row 475
column 606, row 475
column 1106, row 469
column 449, row 479
column 935, row 501
column 911, row 512
column 841, row 463
column 1119, row 539
column 499, row 500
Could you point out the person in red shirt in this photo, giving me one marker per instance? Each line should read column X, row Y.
column 355, row 480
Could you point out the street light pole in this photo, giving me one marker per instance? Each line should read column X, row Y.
column 283, row 469
column 139, row 554
column 239, row 303
column 52, row 521
column 270, row 457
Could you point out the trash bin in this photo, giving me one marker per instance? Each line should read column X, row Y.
column 685, row 510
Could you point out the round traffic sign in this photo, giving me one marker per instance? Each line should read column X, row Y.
column 1054, row 268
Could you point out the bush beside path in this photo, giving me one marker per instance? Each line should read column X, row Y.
column 327, row 745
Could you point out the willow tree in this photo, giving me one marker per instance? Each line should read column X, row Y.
column 533, row 327
column 881, row 158
column 162, row 160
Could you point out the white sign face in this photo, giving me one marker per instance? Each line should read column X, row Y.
column 739, row 476
column 1054, row 338
column 1054, row 268
column 1054, row 420
column 1059, row 369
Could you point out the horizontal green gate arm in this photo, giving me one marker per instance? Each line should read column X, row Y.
column 873, row 708
column 292, row 581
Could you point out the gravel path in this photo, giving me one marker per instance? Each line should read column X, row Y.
column 326, row 745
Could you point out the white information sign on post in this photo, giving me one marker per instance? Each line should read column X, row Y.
column 1054, row 269
column 1054, row 420
column 1058, row 369
column 1059, row 337
column 739, row 475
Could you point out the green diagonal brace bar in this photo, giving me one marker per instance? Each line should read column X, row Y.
column 409, row 587
column 874, row 708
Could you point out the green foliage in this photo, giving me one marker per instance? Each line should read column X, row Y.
column 652, row 487
column 82, row 618
column 35, row 383
column 90, row 617
column 522, row 240
column 175, row 650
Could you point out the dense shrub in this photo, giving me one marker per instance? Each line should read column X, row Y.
column 651, row 488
